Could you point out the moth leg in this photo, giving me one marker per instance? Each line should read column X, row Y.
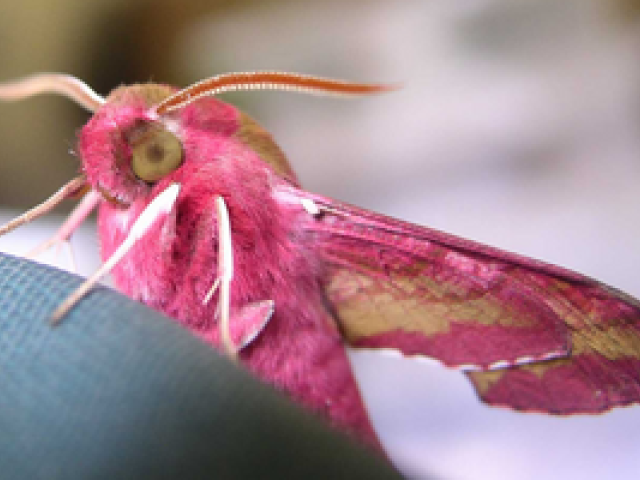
column 225, row 274
column 211, row 291
column 160, row 205
column 66, row 191
column 73, row 221
column 248, row 321
column 69, row 250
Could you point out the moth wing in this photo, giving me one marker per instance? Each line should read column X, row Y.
column 533, row 336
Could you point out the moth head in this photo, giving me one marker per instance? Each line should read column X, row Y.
column 124, row 149
column 144, row 135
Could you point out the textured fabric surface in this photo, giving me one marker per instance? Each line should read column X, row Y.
column 119, row 391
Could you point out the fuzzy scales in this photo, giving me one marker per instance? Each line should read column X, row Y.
column 174, row 265
column 529, row 335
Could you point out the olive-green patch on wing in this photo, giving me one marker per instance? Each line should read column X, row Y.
column 602, row 371
column 432, row 305
column 554, row 340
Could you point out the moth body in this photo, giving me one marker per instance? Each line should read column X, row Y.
column 306, row 274
column 174, row 265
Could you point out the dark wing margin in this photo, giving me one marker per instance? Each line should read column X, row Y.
column 531, row 335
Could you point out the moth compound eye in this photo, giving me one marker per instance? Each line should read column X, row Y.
column 156, row 155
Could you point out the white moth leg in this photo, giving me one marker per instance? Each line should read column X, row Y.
column 249, row 320
column 71, row 188
column 66, row 244
column 225, row 274
column 162, row 204
column 73, row 221
column 211, row 291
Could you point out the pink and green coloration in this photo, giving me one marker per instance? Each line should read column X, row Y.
column 529, row 335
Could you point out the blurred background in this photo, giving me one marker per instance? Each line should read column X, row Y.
column 517, row 125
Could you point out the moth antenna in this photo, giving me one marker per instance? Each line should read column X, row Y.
column 67, row 85
column 161, row 204
column 66, row 191
column 225, row 275
column 296, row 82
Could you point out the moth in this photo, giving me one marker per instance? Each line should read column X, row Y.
column 200, row 216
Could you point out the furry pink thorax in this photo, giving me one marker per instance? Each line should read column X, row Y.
column 175, row 264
